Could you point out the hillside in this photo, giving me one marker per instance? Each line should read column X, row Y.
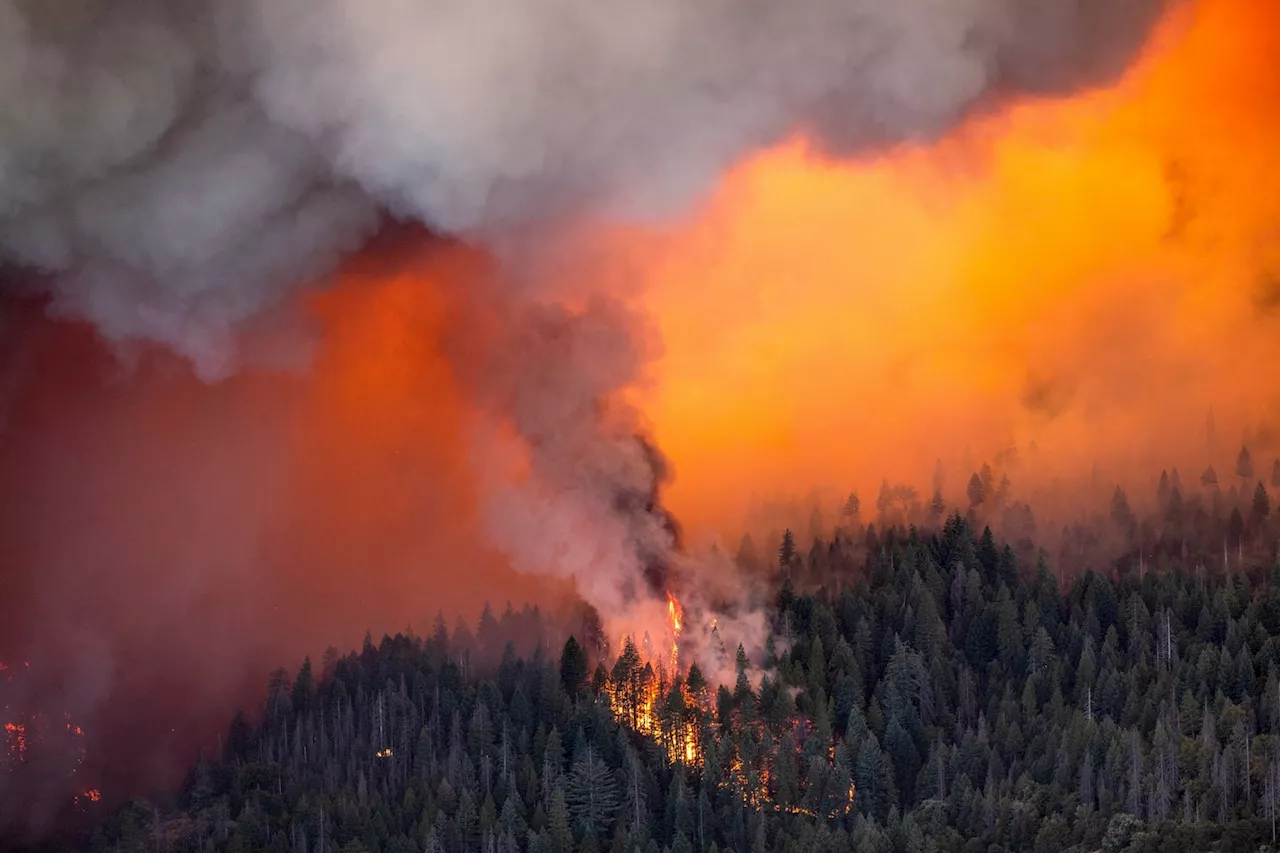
column 944, row 698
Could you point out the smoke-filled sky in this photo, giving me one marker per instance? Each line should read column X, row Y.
column 801, row 246
column 1092, row 274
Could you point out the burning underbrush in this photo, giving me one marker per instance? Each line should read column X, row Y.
column 756, row 752
column 42, row 751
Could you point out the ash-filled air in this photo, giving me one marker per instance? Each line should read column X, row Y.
column 188, row 175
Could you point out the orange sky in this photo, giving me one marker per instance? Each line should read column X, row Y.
column 830, row 324
column 1092, row 273
column 1087, row 273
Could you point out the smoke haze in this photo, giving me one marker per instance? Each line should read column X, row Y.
column 180, row 166
column 1083, row 280
column 811, row 245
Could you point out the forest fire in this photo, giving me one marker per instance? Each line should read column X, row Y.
column 660, row 702
column 32, row 741
column 1030, row 277
column 92, row 795
column 16, row 736
column 674, row 614
column 674, row 707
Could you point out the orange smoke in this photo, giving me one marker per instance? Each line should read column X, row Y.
column 1082, row 279
column 1091, row 274
column 382, row 505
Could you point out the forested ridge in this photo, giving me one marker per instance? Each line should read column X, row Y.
column 972, row 698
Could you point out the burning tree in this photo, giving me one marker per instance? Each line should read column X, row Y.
column 674, row 707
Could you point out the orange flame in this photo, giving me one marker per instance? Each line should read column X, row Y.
column 16, row 734
column 647, row 703
column 675, row 615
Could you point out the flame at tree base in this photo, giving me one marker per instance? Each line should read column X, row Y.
column 674, row 709
column 37, row 749
column 658, row 703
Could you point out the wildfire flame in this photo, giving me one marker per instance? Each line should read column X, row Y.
column 34, row 740
column 16, row 737
column 674, row 615
column 92, row 795
column 656, row 702
column 660, row 703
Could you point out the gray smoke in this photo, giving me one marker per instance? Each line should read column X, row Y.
column 176, row 168
column 581, row 497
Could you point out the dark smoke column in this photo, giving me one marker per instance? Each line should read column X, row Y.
column 584, row 500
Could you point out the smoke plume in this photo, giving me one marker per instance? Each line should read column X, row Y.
column 177, row 173
column 178, row 167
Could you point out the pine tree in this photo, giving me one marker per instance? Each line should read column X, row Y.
column 1244, row 465
column 558, row 823
column 787, row 551
column 627, row 678
column 1261, row 505
column 977, row 493
column 1121, row 515
column 573, row 666
column 872, row 780
column 591, row 794
column 884, row 503
column 937, row 506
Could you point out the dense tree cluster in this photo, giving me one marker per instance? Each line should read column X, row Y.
column 967, row 695
column 1177, row 524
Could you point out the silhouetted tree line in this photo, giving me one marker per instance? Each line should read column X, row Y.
column 1197, row 524
column 975, row 698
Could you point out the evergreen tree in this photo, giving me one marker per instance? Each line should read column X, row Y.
column 937, row 506
column 787, row 551
column 872, row 780
column 558, row 823
column 1121, row 514
column 1244, row 465
column 1261, row 504
column 969, row 703
column 977, row 493
column 573, row 666
column 591, row 795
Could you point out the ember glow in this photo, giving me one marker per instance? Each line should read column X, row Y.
column 39, row 747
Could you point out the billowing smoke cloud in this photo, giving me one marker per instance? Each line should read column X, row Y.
column 175, row 172
column 180, row 166
column 578, row 494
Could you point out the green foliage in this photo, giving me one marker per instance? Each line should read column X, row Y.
column 974, row 698
column 592, row 795
column 573, row 666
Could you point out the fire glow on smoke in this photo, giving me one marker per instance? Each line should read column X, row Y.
column 653, row 701
column 1079, row 272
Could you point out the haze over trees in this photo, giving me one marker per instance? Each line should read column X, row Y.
column 972, row 690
